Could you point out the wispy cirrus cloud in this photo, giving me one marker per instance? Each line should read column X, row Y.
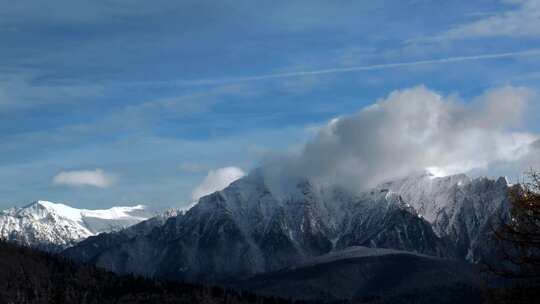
column 521, row 20
column 18, row 92
column 372, row 67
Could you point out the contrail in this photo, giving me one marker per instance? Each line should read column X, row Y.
column 527, row 53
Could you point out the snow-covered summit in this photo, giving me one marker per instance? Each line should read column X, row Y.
column 79, row 215
column 55, row 226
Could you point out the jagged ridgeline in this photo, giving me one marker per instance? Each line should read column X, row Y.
column 30, row 276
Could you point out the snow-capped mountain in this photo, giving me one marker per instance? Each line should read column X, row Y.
column 245, row 229
column 53, row 226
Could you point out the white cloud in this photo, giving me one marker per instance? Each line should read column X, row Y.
column 96, row 178
column 216, row 180
column 414, row 130
column 522, row 20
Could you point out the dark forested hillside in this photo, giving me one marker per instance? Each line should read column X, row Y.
column 30, row 276
column 367, row 275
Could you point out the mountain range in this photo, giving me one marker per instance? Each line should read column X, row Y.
column 247, row 230
column 290, row 244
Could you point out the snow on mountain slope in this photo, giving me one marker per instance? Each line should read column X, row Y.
column 461, row 208
column 353, row 252
column 53, row 226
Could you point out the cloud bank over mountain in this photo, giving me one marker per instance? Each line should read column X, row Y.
column 418, row 129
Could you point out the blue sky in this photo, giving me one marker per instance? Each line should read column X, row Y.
column 154, row 94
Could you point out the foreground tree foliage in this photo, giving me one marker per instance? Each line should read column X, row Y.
column 517, row 269
column 519, row 235
column 30, row 276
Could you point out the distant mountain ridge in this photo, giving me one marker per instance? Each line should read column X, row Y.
column 53, row 227
column 245, row 229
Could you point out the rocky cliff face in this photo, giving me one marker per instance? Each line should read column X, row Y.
column 459, row 208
